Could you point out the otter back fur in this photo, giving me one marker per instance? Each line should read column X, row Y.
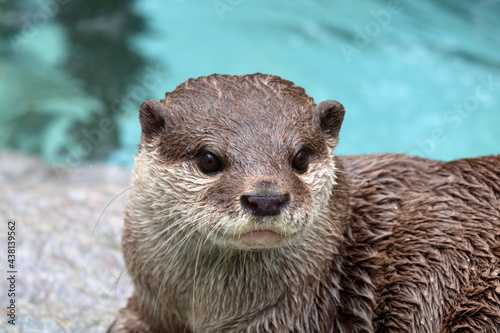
column 242, row 220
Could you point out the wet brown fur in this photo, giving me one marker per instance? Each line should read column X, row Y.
column 373, row 243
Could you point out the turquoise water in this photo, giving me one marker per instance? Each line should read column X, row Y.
column 403, row 70
column 417, row 77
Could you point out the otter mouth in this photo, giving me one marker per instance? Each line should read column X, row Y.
column 261, row 238
column 247, row 234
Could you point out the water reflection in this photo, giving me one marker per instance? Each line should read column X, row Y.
column 64, row 65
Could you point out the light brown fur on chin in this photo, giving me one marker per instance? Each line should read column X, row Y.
column 378, row 243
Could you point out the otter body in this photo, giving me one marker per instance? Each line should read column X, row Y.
column 242, row 220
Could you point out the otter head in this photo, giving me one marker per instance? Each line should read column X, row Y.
column 242, row 162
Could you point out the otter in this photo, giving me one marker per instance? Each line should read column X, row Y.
column 241, row 219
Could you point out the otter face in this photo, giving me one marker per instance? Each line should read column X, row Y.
column 242, row 162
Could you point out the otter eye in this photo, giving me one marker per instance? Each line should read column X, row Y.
column 301, row 161
column 209, row 163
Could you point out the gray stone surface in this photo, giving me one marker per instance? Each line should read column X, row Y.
column 69, row 276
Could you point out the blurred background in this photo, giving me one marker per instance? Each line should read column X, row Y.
column 417, row 77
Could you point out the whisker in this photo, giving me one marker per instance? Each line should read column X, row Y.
column 193, row 298
column 183, row 226
column 109, row 203
column 119, row 167
column 151, row 240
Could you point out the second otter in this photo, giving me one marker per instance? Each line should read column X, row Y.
column 242, row 220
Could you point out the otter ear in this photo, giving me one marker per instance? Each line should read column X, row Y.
column 152, row 117
column 328, row 116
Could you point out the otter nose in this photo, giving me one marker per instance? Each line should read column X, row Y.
column 265, row 205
